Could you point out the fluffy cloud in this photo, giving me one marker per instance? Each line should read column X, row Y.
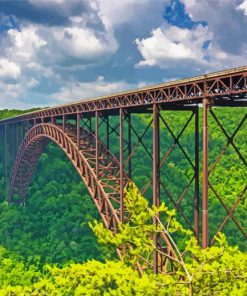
column 169, row 46
column 49, row 47
column 24, row 44
column 243, row 7
column 22, row 51
column 84, row 35
column 20, row 65
column 34, row 52
column 74, row 91
column 12, row 94
column 9, row 69
column 202, row 48
column 225, row 20
column 46, row 2
column 124, row 11
column 82, row 43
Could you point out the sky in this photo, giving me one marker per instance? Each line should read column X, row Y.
column 56, row 51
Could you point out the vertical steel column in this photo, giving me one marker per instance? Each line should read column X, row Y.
column 97, row 143
column 156, row 174
column 13, row 142
column 107, row 133
column 121, row 118
column 197, row 190
column 205, row 175
column 12, row 139
column 12, row 148
column 15, row 126
column 6, row 159
column 90, row 125
column 26, row 128
column 78, row 131
column 129, row 145
column 22, row 131
column 17, row 136
column 63, row 123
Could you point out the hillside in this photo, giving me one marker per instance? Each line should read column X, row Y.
column 58, row 206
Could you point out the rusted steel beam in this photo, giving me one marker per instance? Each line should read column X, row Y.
column 176, row 142
column 224, row 85
column 121, row 120
column 205, row 175
column 156, row 179
column 229, row 212
column 6, row 159
column 17, row 132
column 97, row 143
column 64, row 123
column 107, row 132
column 197, row 181
column 129, row 145
column 230, row 141
column 78, row 135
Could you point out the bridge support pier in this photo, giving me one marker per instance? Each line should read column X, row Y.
column 5, row 153
column 205, row 175
column 97, row 143
column 121, row 148
column 78, row 135
column 129, row 145
column 156, row 178
column 64, row 123
column 197, row 181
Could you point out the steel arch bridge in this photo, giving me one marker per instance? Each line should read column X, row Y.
column 77, row 129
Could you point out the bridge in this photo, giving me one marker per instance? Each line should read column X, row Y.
column 84, row 130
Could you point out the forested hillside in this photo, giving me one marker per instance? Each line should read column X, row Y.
column 55, row 215
column 53, row 227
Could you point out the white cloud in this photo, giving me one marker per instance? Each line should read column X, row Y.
column 74, row 91
column 52, row 53
column 21, row 63
column 173, row 45
column 24, row 44
column 32, row 83
column 36, row 52
column 11, row 95
column 82, row 43
column 85, row 37
column 9, row 69
column 225, row 20
column 125, row 10
column 46, row 2
column 20, row 50
column 207, row 10
column 243, row 7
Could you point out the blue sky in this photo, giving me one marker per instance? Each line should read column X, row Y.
column 57, row 51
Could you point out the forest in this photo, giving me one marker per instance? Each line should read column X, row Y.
column 56, row 245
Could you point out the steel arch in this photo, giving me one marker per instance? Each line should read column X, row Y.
column 35, row 142
column 107, row 202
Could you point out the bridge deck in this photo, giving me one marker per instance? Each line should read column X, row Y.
column 223, row 86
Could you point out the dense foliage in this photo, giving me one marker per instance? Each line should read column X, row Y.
column 55, row 215
column 220, row 270
column 53, row 228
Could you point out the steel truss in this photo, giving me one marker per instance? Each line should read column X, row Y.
column 101, row 172
column 86, row 130
column 240, row 197
column 218, row 85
